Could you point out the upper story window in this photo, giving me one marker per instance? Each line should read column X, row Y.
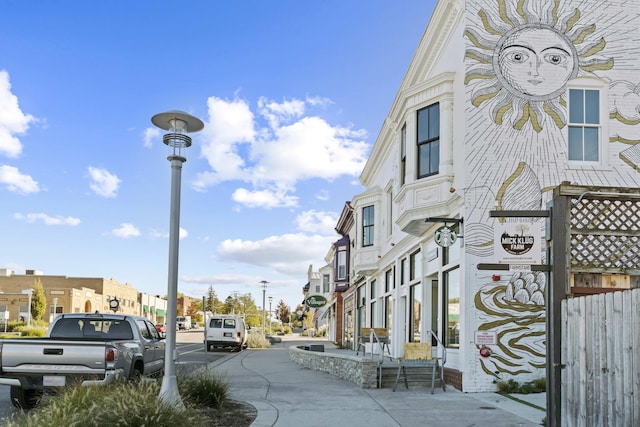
column 428, row 140
column 342, row 264
column 367, row 226
column 584, row 125
column 403, row 154
column 325, row 283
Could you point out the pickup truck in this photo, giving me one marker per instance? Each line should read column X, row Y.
column 89, row 348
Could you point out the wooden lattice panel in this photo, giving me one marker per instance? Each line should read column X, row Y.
column 605, row 235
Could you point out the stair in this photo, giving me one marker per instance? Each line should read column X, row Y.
column 417, row 376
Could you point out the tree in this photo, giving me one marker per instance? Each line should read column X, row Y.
column 282, row 313
column 38, row 301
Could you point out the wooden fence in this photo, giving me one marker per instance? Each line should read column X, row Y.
column 601, row 360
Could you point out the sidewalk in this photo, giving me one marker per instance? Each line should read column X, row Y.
column 286, row 394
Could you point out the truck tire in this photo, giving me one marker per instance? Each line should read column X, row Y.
column 25, row 398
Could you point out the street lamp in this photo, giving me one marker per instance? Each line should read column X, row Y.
column 270, row 299
column 178, row 123
column 264, row 290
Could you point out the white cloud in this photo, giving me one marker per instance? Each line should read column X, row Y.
column 125, row 231
column 104, row 183
column 183, row 234
column 264, row 198
column 317, row 222
column 322, row 195
column 12, row 120
column 230, row 125
column 276, row 112
column 158, row 234
column 17, row 181
column 46, row 219
column 290, row 146
column 150, row 134
column 287, row 254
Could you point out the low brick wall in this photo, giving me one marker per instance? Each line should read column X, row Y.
column 358, row 370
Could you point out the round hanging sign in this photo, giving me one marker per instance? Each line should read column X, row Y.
column 445, row 236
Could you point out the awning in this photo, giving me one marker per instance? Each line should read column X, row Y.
column 153, row 310
column 160, row 312
column 145, row 308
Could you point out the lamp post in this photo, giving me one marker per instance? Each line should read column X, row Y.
column 264, row 290
column 270, row 299
column 178, row 123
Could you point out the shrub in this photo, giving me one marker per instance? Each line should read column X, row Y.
column 33, row 331
column 257, row 340
column 204, row 388
column 512, row 386
column 287, row 329
column 118, row 404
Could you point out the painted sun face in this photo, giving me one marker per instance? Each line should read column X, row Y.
column 521, row 56
column 535, row 62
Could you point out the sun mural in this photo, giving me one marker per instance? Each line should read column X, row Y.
column 523, row 61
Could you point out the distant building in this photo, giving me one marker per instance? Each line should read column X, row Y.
column 74, row 295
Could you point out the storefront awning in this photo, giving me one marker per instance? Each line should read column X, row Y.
column 160, row 312
column 145, row 308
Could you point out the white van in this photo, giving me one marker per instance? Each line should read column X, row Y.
column 224, row 330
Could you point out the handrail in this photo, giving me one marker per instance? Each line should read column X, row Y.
column 440, row 344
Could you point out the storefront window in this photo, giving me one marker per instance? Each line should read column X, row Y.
column 452, row 307
column 416, row 313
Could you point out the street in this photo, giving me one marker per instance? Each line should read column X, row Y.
column 191, row 356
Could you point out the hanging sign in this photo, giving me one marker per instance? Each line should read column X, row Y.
column 316, row 301
column 445, row 236
column 518, row 243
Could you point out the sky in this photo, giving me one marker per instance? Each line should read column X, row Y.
column 292, row 94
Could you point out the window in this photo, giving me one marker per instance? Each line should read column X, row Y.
column 367, row 226
column 403, row 154
column 342, row 263
column 584, row 125
column 428, row 140
column 452, row 307
column 325, row 283
column 413, row 265
column 403, row 271
column 416, row 313
column 388, row 280
column 317, row 289
column 373, row 314
column 373, row 289
column 388, row 308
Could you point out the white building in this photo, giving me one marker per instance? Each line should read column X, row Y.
column 503, row 101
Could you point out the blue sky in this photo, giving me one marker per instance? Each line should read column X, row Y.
column 292, row 94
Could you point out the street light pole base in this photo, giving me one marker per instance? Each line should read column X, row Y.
column 169, row 392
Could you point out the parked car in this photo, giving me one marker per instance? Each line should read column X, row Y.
column 195, row 325
column 162, row 329
column 87, row 348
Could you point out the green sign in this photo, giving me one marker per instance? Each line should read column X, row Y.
column 316, row 301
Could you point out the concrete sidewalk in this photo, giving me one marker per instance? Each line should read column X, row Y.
column 286, row 394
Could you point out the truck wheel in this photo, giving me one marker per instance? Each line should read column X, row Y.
column 25, row 399
column 136, row 377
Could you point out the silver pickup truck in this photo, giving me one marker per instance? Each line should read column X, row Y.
column 89, row 348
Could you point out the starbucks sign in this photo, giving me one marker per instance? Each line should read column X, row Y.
column 316, row 301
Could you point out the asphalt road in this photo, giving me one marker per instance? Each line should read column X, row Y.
column 191, row 356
